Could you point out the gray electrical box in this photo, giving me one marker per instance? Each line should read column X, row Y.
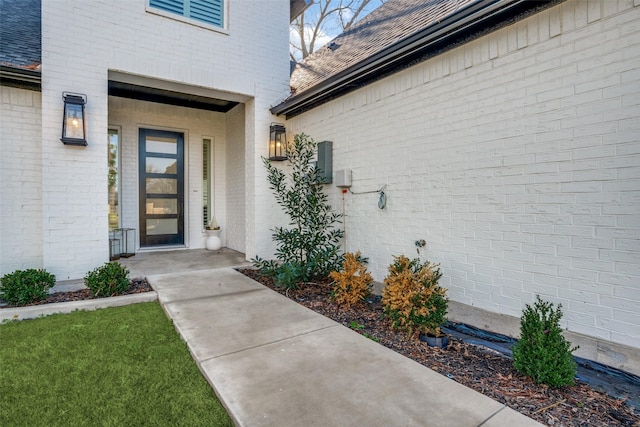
column 343, row 178
column 325, row 161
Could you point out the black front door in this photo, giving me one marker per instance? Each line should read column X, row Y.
column 161, row 187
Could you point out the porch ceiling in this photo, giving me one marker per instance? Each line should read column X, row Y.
column 164, row 96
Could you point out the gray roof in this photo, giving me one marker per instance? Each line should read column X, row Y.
column 396, row 36
column 20, row 34
column 388, row 24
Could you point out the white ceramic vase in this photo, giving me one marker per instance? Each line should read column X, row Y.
column 213, row 242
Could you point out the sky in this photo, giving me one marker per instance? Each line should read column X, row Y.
column 330, row 28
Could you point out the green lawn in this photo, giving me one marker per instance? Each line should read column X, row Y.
column 122, row 366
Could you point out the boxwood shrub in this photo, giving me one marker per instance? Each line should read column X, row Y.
column 26, row 286
column 110, row 279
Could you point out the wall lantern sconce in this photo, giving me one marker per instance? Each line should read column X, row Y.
column 73, row 120
column 277, row 142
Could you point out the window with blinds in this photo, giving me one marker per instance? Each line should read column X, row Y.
column 206, row 182
column 207, row 11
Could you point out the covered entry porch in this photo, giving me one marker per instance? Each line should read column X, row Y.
column 176, row 163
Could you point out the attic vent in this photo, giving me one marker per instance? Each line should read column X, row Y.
column 333, row 46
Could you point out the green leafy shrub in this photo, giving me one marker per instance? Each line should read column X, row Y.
column 309, row 247
column 265, row 267
column 288, row 275
column 542, row 353
column 412, row 298
column 26, row 286
column 110, row 279
column 353, row 283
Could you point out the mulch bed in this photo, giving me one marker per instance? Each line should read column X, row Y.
column 477, row 367
column 137, row 286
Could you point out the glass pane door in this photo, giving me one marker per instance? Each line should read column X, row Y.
column 161, row 188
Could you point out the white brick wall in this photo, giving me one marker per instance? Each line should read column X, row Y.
column 83, row 42
column 262, row 211
column 516, row 157
column 20, row 180
column 235, row 179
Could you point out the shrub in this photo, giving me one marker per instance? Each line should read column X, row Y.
column 110, row 279
column 26, row 286
column 310, row 246
column 287, row 275
column 412, row 298
column 353, row 283
column 542, row 353
column 265, row 268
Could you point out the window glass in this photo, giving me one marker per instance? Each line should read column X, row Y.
column 207, row 11
column 206, row 182
column 162, row 145
column 161, row 165
column 162, row 206
column 113, row 178
column 162, row 185
column 162, row 226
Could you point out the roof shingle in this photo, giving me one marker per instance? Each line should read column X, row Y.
column 388, row 24
column 20, row 34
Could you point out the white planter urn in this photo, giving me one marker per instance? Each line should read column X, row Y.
column 213, row 242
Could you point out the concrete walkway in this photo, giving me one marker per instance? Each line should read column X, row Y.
column 273, row 362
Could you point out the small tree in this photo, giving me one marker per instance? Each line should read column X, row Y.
column 309, row 248
column 542, row 353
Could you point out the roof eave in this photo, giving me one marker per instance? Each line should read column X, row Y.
column 388, row 58
column 20, row 77
column 297, row 8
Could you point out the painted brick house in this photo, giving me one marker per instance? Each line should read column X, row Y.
column 507, row 136
column 177, row 115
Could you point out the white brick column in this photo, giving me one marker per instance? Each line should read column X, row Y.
column 74, row 179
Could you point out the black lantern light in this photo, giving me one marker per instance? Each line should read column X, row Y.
column 277, row 142
column 73, row 120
